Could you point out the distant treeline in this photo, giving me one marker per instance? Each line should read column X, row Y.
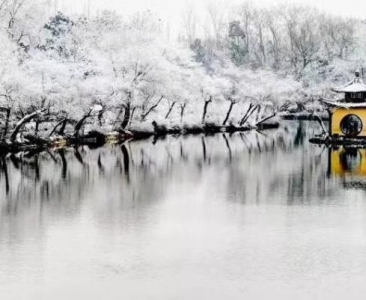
column 62, row 75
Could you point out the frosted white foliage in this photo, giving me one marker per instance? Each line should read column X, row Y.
column 123, row 73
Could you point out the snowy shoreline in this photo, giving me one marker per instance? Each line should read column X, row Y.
column 36, row 143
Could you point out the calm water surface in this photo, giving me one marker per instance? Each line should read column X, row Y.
column 248, row 216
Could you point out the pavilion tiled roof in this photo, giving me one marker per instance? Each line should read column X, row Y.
column 355, row 86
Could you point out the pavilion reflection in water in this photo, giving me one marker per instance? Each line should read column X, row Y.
column 349, row 164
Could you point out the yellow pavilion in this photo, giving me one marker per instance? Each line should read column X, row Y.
column 348, row 115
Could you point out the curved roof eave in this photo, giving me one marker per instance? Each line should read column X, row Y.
column 340, row 104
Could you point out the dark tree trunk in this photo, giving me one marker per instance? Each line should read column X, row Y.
column 15, row 161
column 259, row 110
column 63, row 127
column 64, row 163
column 232, row 103
column 78, row 155
column 63, row 123
column 204, row 149
column 100, row 117
column 182, row 109
column 132, row 114
column 170, row 109
column 36, row 168
column 100, row 165
column 6, row 128
column 242, row 121
column 143, row 117
column 5, row 170
column 22, row 122
column 207, row 102
column 37, row 127
column 228, row 147
column 126, row 117
column 266, row 119
column 258, row 145
column 126, row 160
column 80, row 123
column 183, row 156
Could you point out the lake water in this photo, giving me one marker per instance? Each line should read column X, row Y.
column 243, row 216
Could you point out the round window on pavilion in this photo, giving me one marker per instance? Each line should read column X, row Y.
column 351, row 125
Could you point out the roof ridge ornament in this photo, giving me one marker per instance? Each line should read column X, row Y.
column 357, row 77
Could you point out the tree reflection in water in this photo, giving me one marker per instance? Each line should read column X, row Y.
column 277, row 166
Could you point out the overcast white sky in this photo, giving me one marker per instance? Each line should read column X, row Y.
column 355, row 8
column 170, row 10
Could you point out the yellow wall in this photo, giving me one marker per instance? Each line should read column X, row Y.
column 340, row 113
